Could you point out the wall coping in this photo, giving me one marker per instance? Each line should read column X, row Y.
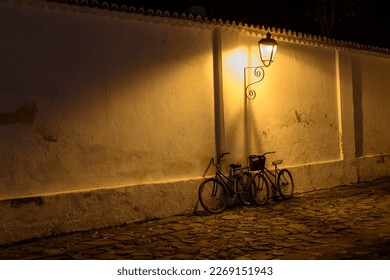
column 102, row 8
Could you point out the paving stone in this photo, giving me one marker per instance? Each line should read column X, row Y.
column 181, row 256
column 101, row 242
column 232, row 217
column 189, row 250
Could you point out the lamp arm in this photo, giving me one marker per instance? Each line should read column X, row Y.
column 258, row 72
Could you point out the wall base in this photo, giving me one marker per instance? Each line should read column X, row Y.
column 371, row 167
column 41, row 216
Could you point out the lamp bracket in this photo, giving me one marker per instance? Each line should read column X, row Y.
column 257, row 74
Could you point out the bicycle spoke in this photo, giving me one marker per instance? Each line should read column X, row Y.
column 285, row 183
column 259, row 189
column 243, row 188
column 214, row 190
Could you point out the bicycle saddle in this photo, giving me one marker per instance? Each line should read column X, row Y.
column 235, row 165
column 276, row 162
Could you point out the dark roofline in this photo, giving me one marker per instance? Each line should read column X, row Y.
column 277, row 33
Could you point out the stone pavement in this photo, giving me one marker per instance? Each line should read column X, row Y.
column 347, row 222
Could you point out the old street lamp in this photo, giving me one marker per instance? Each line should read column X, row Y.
column 267, row 49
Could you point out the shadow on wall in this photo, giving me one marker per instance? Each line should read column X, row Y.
column 24, row 114
column 357, row 105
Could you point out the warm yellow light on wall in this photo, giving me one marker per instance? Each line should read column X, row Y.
column 267, row 48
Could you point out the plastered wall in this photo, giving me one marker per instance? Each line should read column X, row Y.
column 99, row 101
column 108, row 117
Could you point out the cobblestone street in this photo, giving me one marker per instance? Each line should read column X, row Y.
column 347, row 222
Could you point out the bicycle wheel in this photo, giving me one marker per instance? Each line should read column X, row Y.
column 259, row 189
column 244, row 187
column 213, row 196
column 285, row 184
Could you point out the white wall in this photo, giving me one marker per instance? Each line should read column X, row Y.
column 109, row 117
column 118, row 101
column 371, row 86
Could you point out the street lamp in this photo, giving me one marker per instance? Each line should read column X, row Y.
column 267, row 49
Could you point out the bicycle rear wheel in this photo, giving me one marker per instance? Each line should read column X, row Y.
column 244, row 187
column 213, row 196
column 259, row 189
column 285, row 184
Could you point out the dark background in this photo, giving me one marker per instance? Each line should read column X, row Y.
column 358, row 21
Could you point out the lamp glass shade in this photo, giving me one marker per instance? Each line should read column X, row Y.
column 267, row 48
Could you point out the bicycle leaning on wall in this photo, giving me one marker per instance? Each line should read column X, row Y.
column 281, row 180
column 214, row 192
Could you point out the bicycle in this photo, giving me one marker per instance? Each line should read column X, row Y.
column 281, row 180
column 214, row 192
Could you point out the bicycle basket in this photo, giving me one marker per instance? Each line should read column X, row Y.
column 256, row 162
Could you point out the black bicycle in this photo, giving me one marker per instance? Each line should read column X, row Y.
column 214, row 192
column 281, row 180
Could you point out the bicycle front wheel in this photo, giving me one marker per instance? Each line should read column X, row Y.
column 213, row 196
column 285, row 184
column 259, row 189
column 244, row 187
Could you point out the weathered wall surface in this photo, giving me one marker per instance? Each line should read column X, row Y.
column 108, row 117
column 371, row 89
column 92, row 101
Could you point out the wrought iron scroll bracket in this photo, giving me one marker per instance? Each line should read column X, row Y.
column 255, row 73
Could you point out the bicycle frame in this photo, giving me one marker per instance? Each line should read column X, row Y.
column 224, row 179
column 228, row 181
column 268, row 174
column 281, row 180
column 214, row 192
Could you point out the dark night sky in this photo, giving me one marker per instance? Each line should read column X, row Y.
column 359, row 21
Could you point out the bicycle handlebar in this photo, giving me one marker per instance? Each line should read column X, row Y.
column 215, row 164
column 266, row 153
column 220, row 156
